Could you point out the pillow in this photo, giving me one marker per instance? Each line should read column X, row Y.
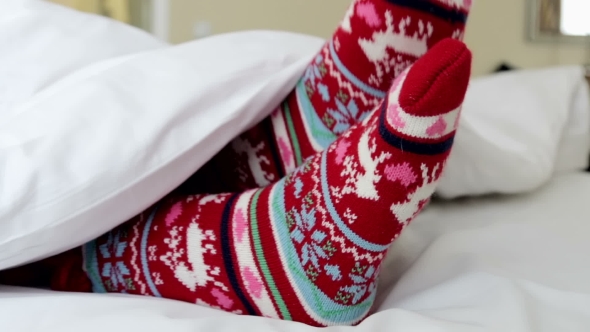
column 41, row 42
column 517, row 129
column 574, row 146
column 101, row 145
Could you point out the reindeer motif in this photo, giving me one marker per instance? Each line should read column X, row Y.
column 197, row 274
column 193, row 272
column 345, row 25
column 415, row 45
column 242, row 146
column 405, row 211
column 363, row 183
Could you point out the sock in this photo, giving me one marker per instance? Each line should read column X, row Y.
column 309, row 247
column 375, row 42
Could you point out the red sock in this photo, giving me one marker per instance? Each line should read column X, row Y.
column 376, row 41
column 309, row 247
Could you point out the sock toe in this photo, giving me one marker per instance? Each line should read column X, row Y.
column 423, row 106
column 437, row 82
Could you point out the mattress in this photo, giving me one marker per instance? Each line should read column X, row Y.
column 509, row 263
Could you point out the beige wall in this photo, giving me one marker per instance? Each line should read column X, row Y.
column 496, row 29
column 317, row 17
column 118, row 9
column 495, row 33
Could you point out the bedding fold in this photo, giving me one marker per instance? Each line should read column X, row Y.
column 102, row 144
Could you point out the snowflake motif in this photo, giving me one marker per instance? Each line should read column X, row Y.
column 298, row 187
column 315, row 71
column 363, row 280
column 346, row 115
column 312, row 240
column 323, row 90
column 301, row 170
column 333, row 271
column 116, row 271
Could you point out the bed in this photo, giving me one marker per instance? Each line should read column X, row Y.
column 504, row 248
column 490, row 264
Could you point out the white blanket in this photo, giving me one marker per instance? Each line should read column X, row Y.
column 512, row 264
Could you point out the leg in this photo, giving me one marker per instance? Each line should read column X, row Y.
column 350, row 76
column 309, row 247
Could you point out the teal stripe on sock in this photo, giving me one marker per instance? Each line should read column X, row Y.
column 294, row 140
column 353, row 79
column 321, row 134
column 91, row 267
column 262, row 261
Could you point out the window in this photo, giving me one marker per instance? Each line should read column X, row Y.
column 575, row 17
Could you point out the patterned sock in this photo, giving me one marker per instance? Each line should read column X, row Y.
column 309, row 247
column 375, row 42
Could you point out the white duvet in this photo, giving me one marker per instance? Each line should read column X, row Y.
column 513, row 264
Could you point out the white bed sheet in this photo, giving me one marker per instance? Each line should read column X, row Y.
column 506, row 264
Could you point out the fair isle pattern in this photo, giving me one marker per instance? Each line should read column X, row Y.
column 91, row 267
column 285, row 146
column 249, row 270
column 321, row 136
column 308, row 248
column 164, row 249
column 346, row 81
column 258, row 248
column 304, row 267
column 390, row 48
column 376, row 41
column 136, row 271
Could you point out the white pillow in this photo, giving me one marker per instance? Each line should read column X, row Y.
column 41, row 42
column 101, row 145
column 517, row 129
column 573, row 152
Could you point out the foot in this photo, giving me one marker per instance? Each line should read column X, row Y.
column 308, row 248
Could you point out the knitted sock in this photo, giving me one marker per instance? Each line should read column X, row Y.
column 375, row 42
column 309, row 247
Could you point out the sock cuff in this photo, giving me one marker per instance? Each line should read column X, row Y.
column 411, row 144
column 454, row 11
